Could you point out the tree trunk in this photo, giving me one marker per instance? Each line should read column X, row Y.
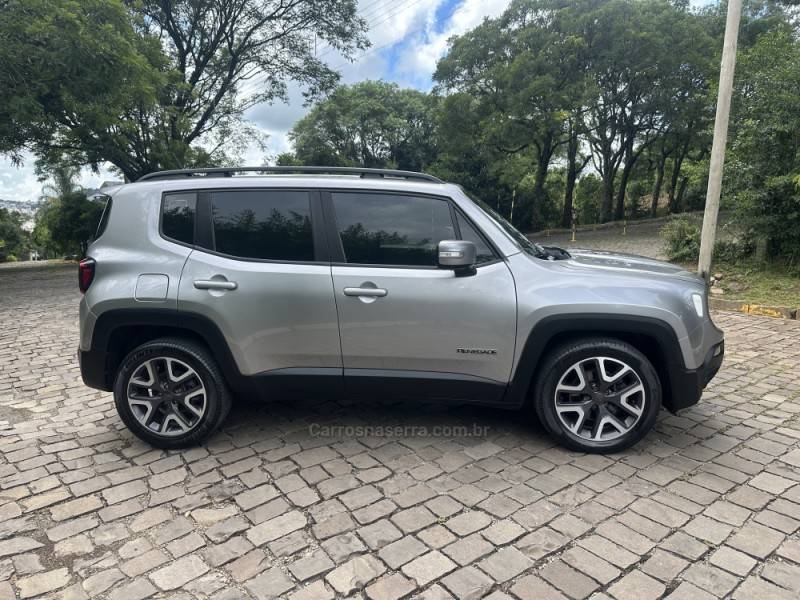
column 657, row 187
column 619, row 211
column 572, row 176
column 542, row 166
column 681, row 191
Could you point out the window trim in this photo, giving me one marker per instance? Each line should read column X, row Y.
column 161, row 233
column 204, row 224
column 335, row 241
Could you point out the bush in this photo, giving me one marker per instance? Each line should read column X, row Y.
column 11, row 258
column 682, row 237
column 733, row 250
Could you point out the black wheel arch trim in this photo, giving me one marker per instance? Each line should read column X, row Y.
column 681, row 386
column 94, row 362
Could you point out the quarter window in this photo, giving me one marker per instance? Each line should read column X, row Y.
column 263, row 224
column 391, row 229
column 177, row 219
column 484, row 251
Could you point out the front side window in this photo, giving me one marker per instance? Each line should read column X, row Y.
column 263, row 224
column 177, row 217
column 391, row 229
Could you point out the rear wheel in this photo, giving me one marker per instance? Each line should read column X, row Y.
column 170, row 393
column 597, row 395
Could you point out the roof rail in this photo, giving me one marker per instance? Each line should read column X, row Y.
column 229, row 171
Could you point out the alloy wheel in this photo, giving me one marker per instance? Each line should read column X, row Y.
column 600, row 398
column 167, row 396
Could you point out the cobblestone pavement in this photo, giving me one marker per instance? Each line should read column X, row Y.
column 706, row 506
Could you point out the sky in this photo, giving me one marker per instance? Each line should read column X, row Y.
column 408, row 37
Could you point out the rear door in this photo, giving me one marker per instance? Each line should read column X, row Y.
column 260, row 272
column 409, row 328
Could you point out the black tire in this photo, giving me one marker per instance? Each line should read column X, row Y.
column 560, row 362
column 217, row 395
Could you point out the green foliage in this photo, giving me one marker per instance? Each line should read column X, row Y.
column 368, row 124
column 682, row 239
column 13, row 239
column 69, row 222
column 764, row 165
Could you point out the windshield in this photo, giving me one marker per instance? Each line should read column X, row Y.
column 523, row 242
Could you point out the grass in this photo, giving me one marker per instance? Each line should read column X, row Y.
column 774, row 284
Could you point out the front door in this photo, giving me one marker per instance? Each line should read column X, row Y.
column 407, row 327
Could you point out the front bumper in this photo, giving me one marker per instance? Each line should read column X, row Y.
column 687, row 385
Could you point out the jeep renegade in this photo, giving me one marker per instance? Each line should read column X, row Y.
column 378, row 283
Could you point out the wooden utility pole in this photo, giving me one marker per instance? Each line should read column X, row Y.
column 720, row 137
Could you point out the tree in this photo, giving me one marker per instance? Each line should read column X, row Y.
column 528, row 76
column 178, row 75
column 368, row 124
column 13, row 239
column 66, row 220
column 763, row 170
column 69, row 221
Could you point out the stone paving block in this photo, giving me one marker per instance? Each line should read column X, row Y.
column 276, row 528
column 756, row 540
column 401, row 551
column 505, row 564
column 390, row 587
column 468, row 583
column 532, row 587
column 355, row 573
column 711, row 579
column 595, row 567
column 42, row 583
column 428, row 567
column 179, row 573
column 637, row 586
column 310, row 566
column 468, row 549
column 270, row 584
column 565, row 579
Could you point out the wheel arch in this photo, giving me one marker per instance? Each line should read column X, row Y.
column 652, row 337
column 119, row 331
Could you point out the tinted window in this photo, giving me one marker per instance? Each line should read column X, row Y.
column 177, row 220
column 274, row 225
column 468, row 233
column 391, row 229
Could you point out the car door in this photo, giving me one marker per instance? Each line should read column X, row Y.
column 407, row 327
column 261, row 273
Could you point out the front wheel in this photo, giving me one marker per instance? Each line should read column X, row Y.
column 597, row 395
column 170, row 393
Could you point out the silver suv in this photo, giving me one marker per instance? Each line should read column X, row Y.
column 376, row 283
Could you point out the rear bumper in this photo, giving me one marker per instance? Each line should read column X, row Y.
column 688, row 384
column 93, row 369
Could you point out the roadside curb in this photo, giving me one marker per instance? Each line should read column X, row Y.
column 778, row 312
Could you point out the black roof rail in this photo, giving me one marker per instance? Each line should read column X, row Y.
column 229, row 171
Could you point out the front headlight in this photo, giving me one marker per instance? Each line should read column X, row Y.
column 697, row 301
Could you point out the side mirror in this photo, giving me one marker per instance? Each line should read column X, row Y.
column 458, row 255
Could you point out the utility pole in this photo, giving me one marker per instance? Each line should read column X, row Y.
column 720, row 137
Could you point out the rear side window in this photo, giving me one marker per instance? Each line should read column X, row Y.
column 391, row 229
column 263, row 224
column 177, row 217
column 101, row 226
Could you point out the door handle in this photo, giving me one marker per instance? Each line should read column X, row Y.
column 213, row 284
column 368, row 292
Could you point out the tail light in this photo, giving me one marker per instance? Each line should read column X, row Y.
column 85, row 274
